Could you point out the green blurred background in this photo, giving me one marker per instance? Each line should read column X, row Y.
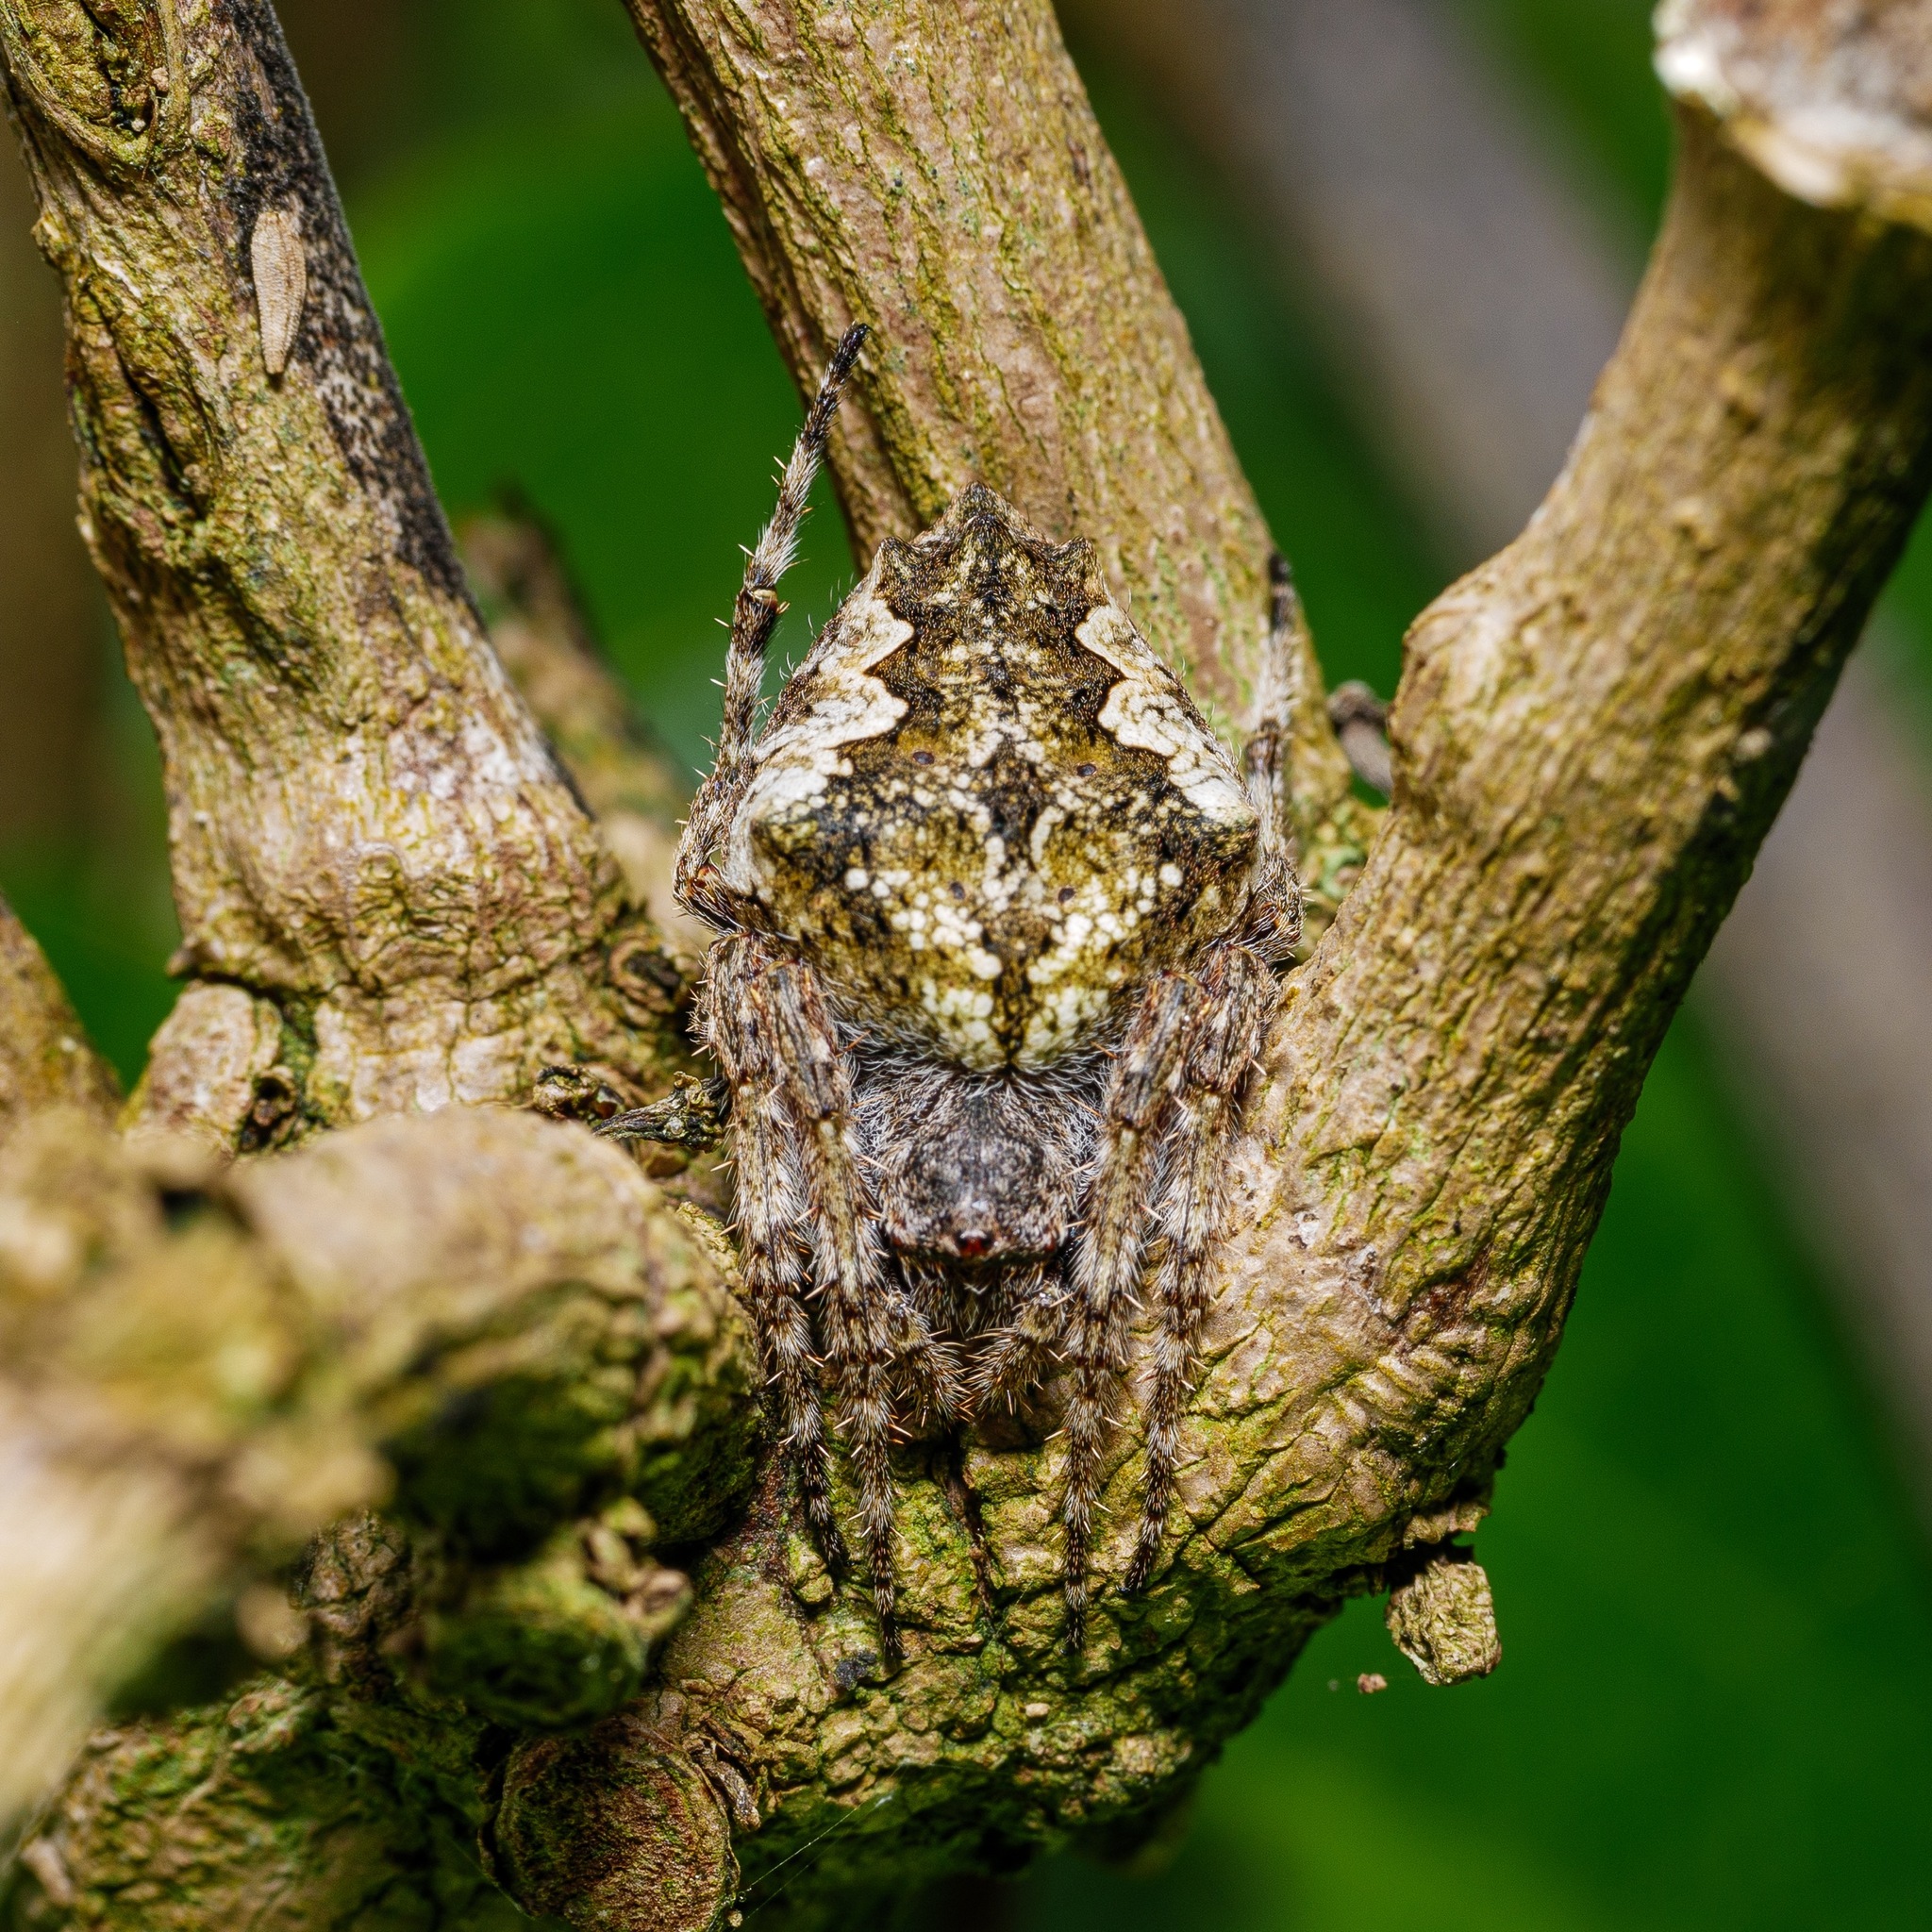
column 1713, row 1591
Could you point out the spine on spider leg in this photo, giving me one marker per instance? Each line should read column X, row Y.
column 853, row 1298
column 1107, row 1265
column 1238, row 999
column 754, row 617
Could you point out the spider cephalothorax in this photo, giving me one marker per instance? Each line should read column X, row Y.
column 999, row 922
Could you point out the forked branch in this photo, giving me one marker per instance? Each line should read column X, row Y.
column 1591, row 735
column 938, row 173
column 389, row 895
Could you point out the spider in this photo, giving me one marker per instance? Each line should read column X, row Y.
column 999, row 925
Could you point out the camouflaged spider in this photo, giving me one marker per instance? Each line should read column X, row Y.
column 999, row 926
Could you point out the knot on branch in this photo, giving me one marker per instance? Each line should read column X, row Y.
column 1829, row 101
column 1443, row 1618
column 489, row 1322
column 112, row 78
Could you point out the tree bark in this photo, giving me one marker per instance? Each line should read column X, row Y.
column 389, row 895
column 204, row 1368
column 45, row 1059
column 1592, row 736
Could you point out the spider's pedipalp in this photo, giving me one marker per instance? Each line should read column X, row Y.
column 1020, row 1355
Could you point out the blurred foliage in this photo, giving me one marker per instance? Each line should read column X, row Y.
column 1584, row 68
column 1716, row 1611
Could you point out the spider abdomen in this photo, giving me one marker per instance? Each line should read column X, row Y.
column 984, row 808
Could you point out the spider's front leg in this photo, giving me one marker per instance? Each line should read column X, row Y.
column 800, row 1174
column 1226, row 1030
column 744, row 1035
column 1106, row 1260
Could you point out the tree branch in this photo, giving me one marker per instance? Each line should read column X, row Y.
column 45, row 1057
column 1592, row 734
column 490, row 1322
column 371, row 841
column 543, row 637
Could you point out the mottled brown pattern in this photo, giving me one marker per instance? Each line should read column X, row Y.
column 986, row 838
column 1592, row 736
column 1000, row 924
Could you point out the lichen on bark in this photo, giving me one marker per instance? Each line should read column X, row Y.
column 1591, row 735
column 370, row 838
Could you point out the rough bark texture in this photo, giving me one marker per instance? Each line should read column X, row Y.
column 1592, row 734
column 203, row 1368
column 45, row 1057
column 372, row 843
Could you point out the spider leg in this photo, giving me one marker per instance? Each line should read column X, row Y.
column 1225, row 1033
column 1274, row 922
column 1265, row 757
column 859, row 1312
column 1107, row 1261
column 754, row 617
column 772, row 1211
column 1024, row 1348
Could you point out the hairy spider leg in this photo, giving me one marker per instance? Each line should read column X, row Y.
column 771, row 1218
column 1239, row 996
column 1106, row 1258
column 869, row 1327
column 753, row 619
column 1265, row 757
column 1021, row 1354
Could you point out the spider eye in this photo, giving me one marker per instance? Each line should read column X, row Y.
column 959, row 891
column 921, row 758
column 1066, row 895
column 1085, row 771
